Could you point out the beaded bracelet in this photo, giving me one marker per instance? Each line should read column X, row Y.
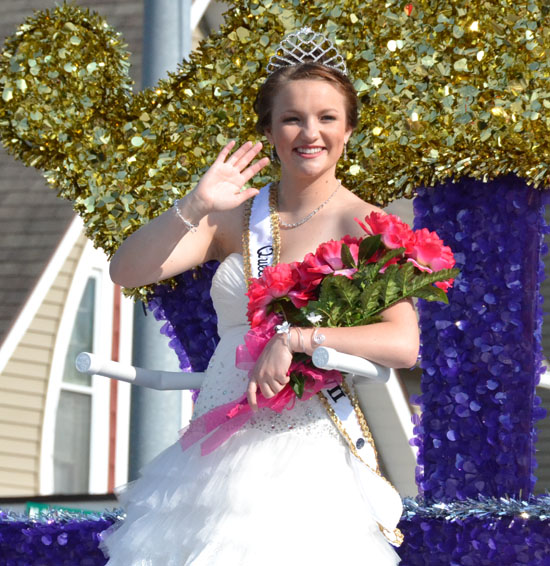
column 189, row 225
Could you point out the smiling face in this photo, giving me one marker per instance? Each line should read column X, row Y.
column 309, row 127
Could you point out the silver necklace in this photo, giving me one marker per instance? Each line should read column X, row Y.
column 310, row 215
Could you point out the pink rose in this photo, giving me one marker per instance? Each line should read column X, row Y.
column 393, row 231
column 420, row 266
column 279, row 279
column 327, row 259
column 276, row 281
column 258, row 299
column 428, row 249
column 301, row 296
column 330, row 253
column 311, row 272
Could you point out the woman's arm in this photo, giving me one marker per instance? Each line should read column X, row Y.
column 393, row 342
column 165, row 246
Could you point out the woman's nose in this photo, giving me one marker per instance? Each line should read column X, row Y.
column 310, row 130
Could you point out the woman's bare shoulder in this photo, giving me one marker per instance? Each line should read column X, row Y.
column 352, row 207
column 362, row 206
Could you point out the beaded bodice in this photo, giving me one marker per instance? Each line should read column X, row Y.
column 224, row 382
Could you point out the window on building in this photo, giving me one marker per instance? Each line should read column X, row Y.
column 73, row 419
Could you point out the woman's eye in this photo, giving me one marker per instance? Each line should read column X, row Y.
column 329, row 118
column 290, row 119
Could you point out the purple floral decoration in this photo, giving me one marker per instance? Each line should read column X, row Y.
column 485, row 532
column 53, row 539
column 489, row 532
column 190, row 319
column 481, row 354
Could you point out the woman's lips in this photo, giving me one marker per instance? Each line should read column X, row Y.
column 309, row 152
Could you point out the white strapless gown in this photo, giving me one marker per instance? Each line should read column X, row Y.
column 280, row 492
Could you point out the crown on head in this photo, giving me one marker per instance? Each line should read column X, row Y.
column 306, row 46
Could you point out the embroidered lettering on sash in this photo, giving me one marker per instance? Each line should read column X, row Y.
column 336, row 393
column 264, row 258
column 261, row 249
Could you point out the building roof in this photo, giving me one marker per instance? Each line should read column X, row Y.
column 32, row 219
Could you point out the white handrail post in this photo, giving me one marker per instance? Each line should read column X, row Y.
column 329, row 358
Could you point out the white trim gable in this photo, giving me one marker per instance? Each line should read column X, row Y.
column 39, row 292
column 92, row 263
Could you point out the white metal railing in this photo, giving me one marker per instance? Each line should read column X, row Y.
column 324, row 358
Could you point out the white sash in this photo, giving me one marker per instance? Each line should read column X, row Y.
column 380, row 496
column 382, row 499
column 261, row 240
column 344, row 410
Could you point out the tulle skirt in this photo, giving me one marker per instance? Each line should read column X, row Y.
column 258, row 500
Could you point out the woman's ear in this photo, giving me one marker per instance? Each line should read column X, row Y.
column 349, row 131
column 267, row 134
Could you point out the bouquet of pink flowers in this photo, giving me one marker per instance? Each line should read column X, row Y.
column 344, row 283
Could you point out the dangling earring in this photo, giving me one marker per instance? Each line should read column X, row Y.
column 273, row 154
column 345, row 151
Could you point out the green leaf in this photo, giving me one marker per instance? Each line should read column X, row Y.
column 392, row 290
column 426, row 278
column 431, row 293
column 327, row 296
column 284, row 306
column 371, row 298
column 405, row 276
column 368, row 247
column 347, row 258
column 366, row 275
column 326, row 306
column 344, row 289
column 298, row 383
column 338, row 300
column 389, row 255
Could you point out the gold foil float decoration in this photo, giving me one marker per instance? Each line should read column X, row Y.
column 447, row 89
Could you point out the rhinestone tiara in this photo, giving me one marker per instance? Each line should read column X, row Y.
column 306, row 46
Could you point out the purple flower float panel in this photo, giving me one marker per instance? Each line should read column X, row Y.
column 481, row 354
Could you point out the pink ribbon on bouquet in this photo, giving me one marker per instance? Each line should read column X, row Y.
column 224, row 421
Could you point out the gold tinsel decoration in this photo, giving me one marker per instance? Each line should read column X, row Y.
column 448, row 89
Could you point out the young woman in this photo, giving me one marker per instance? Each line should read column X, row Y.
column 281, row 490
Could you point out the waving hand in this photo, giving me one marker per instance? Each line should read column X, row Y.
column 221, row 187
